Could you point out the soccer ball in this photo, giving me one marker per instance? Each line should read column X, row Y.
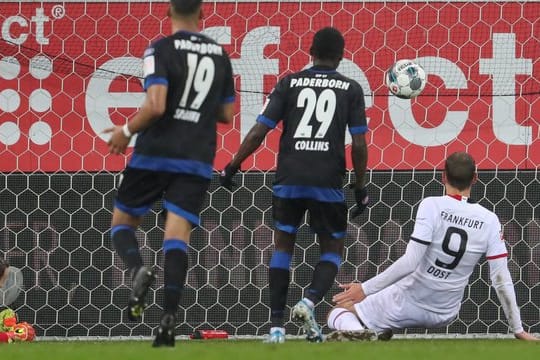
column 406, row 79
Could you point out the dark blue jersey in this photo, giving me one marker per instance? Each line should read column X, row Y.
column 198, row 75
column 316, row 106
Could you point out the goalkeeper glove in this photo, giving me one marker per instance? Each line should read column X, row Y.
column 362, row 200
column 8, row 319
column 6, row 337
column 22, row 332
column 226, row 175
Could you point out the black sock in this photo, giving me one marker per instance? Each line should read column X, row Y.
column 279, row 286
column 176, row 266
column 126, row 246
column 323, row 277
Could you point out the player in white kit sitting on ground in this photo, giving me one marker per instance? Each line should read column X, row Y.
column 424, row 287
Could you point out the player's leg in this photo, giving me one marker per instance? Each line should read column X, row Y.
column 175, row 250
column 323, row 278
column 183, row 199
column 127, row 248
column 346, row 325
column 123, row 239
column 279, row 278
column 329, row 221
column 379, row 313
column 327, row 268
column 136, row 194
column 287, row 215
column 349, row 326
column 344, row 318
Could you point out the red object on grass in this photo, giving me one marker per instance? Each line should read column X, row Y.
column 4, row 337
column 209, row 334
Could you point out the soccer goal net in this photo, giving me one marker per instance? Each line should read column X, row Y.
column 70, row 69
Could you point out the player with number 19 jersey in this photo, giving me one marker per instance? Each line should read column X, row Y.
column 316, row 106
column 198, row 75
column 458, row 233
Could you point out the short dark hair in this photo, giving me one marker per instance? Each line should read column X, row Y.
column 186, row 7
column 328, row 44
column 460, row 169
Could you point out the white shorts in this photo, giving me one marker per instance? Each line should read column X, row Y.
column 391, row 309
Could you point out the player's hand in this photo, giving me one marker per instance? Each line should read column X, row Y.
column 362, row 200
column 226, row 175
column 118, row 142
column 525, row 336
column 352, row 292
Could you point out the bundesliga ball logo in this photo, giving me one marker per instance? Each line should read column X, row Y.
column 405, row 79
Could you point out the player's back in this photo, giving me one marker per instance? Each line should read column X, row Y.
column 319, row 104
column 198, row 75
column 461, row 233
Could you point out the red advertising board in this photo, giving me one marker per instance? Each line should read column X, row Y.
column 68, row 70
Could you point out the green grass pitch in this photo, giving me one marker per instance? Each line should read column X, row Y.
column 398, row 349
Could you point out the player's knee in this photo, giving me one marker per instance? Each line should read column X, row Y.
column 123, row 218
column 177, row 227
column 284, row 241
column 335, row 313
column 328, row 244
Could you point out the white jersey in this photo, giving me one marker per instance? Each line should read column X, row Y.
column 457, row 233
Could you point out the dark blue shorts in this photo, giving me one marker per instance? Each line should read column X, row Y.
column 182, row 194
column 324, row 218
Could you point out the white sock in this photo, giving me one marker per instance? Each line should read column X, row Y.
column 343, row 319
column 309, row 303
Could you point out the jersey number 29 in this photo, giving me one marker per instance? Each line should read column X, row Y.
column 324, row 107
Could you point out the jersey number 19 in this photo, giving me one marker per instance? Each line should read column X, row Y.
column 199, row 79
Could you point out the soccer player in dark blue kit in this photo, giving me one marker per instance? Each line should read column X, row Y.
column 316, row 106
column 189, row 88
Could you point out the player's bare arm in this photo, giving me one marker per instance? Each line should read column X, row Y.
column 152, row 109
column 251, row 142
column 502, row 282
column 404, row 266
column 226, row 113
column 525, row 336
column 359, row 155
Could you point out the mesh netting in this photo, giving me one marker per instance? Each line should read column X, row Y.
column 71, row 69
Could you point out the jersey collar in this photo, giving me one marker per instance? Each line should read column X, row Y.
column 186, row 32
column 322, row 69
column 460, row 198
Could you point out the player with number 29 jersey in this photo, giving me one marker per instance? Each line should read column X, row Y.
column 316, row 105
column 198, row 74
